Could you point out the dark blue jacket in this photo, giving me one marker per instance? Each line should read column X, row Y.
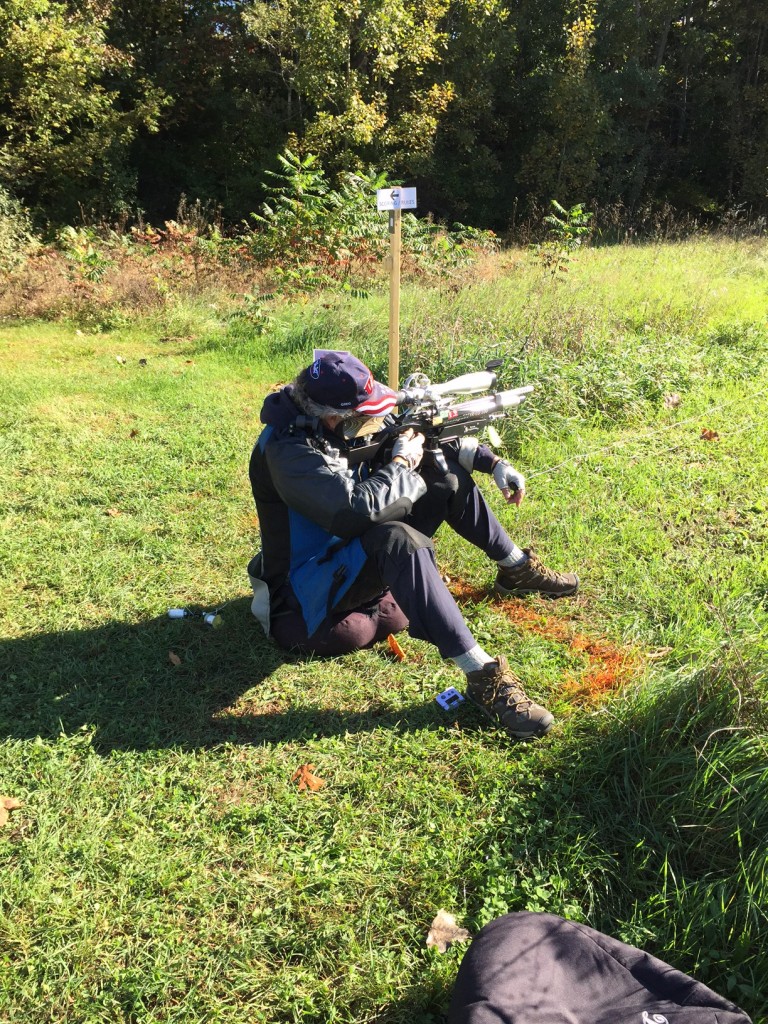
column 312, row 506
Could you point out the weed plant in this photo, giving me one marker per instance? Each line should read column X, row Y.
column 16, row 237
column 165, row 867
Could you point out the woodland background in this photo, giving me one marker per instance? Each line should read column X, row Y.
column 113, row 109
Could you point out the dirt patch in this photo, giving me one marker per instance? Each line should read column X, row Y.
column 607, row 667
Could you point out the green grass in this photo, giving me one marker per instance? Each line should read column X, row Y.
column 164, row 867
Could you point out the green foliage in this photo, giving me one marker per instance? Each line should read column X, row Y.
column 314, row 234
column 568, row 227
column 369, row 71
column 107, row 108
column 567, row 230
column 80, row 245
column 64, row 127
column 16, row 237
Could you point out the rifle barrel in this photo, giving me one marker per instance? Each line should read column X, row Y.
column 493, row 403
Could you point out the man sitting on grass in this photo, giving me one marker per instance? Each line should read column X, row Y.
column 346, row 551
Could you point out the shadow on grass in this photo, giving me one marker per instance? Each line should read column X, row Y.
column 119, row 680
column 427, row 1007
column 649, row 821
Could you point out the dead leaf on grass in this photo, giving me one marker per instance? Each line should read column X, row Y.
column 395, row 647
column 134, row 433
column 709, row 435
column 306, row 779
column 7, row 804
column 114, row 512
column 444, row 931
column 174, row 658
column 672, row 400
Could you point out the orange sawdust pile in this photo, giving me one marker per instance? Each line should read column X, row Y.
column 466, row 592
column 607, row 667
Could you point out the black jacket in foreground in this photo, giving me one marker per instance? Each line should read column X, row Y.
column 531, row 968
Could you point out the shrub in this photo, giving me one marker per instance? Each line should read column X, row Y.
column 16, row 237
column 313, row 234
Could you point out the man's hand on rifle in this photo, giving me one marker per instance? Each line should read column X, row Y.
column 409, row 449
column 509, row 481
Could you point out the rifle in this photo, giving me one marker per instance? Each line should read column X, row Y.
column 428, row 409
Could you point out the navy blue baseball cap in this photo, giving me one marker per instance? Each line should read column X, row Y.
column 341, row 381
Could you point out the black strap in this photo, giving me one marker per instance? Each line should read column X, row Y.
column 339, row 577
column 331, row 550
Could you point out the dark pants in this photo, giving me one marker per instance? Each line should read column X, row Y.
column 400, row 585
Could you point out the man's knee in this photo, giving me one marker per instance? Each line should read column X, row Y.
column 393, row 541
column 465, row 490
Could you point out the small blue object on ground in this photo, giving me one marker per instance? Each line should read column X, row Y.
column 449, row 699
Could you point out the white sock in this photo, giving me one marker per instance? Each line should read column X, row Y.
column 515, row 557
column 472, row 660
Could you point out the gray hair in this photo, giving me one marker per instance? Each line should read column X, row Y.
column 312, row 408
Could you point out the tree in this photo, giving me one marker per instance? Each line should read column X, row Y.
column 562, row 159
column 686, row 86
column 225, row 118
column 363, row 79
column 64, row 131
column 466, row 175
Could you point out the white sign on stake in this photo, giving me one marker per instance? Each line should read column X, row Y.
column 396, row 199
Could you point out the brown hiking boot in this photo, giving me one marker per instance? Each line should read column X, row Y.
column 533, row 577
column 497, row 690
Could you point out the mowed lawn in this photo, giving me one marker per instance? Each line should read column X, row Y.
column 166, row 866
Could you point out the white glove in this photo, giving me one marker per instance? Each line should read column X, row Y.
column 509, row 481
column 409, row 446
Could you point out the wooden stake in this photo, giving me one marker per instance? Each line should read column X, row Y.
column 394, row 299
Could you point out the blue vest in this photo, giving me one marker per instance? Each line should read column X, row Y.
column 322, row 567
